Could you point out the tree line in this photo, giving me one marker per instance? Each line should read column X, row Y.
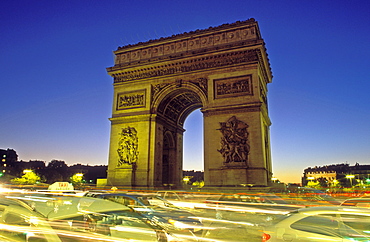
column 54, row 171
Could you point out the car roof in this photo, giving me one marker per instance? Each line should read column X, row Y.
column 60, row 207
column 174, row 191
column 130, row 194
column 358, row 199
column 334, row 209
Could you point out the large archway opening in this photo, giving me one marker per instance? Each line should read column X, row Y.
column 177, row 107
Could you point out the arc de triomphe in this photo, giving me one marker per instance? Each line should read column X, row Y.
column 222, row 70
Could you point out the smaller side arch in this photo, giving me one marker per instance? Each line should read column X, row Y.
column 168, row 158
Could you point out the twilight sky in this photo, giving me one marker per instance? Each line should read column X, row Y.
column 56, row 96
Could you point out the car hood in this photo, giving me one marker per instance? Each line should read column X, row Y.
column 168, row 213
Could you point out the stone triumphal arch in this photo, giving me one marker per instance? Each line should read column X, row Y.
column 222, row 70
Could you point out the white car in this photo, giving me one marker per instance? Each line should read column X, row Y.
column 334, row 223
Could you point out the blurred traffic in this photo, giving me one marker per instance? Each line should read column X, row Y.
column 298, row 214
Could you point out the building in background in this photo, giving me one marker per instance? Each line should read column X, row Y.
column 8, row 157
column 338, row 175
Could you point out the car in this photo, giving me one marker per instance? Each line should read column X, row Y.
column 363, row 202
column 184, row 199
column 51, row 218
column 251, row 207
column 310, row 197
column 332, row 223
column 77, row 193
column 157, row 210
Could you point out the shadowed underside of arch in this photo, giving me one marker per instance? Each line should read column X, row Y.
column 178, row 105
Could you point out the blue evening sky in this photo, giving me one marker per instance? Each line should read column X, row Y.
column 56, row 96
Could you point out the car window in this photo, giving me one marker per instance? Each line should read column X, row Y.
column 172, row 196
column 231, row 198
column 15, row 219
column 144, row 200
column 273, row 199
column 156, row 201
column 318, row 224
column 358, row 222
column 122, row 200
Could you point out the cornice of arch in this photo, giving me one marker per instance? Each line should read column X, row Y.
column 185, row 65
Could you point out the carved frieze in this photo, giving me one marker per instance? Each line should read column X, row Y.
column 220, row 60
column 231, row 87
column 200, row 82
column 128, row 147
column 127, row 100
column 214, row 37
column 158, row 87
column 234, row 141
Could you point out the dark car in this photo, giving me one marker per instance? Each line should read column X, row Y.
column 157, row 210
column 252, row 207
column 310, row 197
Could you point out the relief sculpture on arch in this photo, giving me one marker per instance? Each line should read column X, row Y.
column 234, row 141
column 128, row 147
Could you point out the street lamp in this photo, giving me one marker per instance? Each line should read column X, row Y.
column 186, row 179
column 350, row 177
column 311, row 178
column 310, row 182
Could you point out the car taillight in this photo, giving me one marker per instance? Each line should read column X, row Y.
column 265, row 237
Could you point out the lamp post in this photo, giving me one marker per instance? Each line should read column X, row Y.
column 310, row 181
column 350, row 177
column 186, row 179
column 274, row 179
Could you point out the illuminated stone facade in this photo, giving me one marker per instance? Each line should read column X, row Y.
column 222, row 70
column 338, row 175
